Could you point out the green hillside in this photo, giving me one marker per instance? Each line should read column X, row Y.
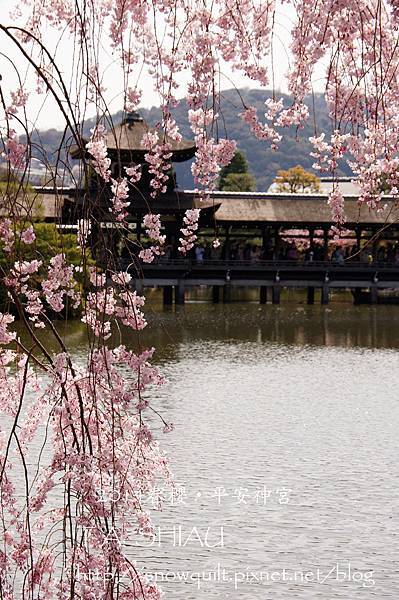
column 263, row 162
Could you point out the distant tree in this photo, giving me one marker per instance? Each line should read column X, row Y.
column 295, row 180
column 239, row 182
column 236, row 177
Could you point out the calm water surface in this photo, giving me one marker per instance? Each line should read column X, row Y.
column 286, row 448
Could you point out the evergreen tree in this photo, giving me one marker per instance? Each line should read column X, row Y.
column 235, row 177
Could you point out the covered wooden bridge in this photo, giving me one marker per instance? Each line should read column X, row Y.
column 270, row 277
column 268, row 219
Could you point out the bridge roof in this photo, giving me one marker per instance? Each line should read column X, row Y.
column 296, row 209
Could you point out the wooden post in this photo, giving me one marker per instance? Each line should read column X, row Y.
column 227, row 293
column 277, row 242
column 276, row 294
column 138, row 286
column 325, row 243
column 215, row 294
column 358, row 239
column 263, row 294
column 179, row 292
column 325, row 294
column 311, row 237
column 138, row 229
column 227, row 243
column 265, row 240
column 167, row 295
column 375, row 245
column 374, row 294
column 310, row 297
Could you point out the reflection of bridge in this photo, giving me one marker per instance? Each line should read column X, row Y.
column 180, row 274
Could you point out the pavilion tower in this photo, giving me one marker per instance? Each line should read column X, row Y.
column 125, row 149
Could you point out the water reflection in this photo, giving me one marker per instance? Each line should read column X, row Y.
column 270, row 398
column 340, row 325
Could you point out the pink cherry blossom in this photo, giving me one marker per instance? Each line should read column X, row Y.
column 120, row 199
column 190, row 221
column 6, row 336
column 15, row 152
column 28, row 236
column 98, row 150
column 152, row 224
column 19, row 99
column 6, row 234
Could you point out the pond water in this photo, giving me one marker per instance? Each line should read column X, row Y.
column 285, row 447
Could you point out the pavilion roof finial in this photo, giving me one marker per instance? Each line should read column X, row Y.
column 133, row 117
column 127, row 137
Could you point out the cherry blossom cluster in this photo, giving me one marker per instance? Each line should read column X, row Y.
column 97, row 148
column 120, row 198
column 94, row 85
column 6, row 234
column 158, row 157
column 114, row 442
column 60, row 283
column 262, row 131
column 28, row 235
column 152, row 224
column 376, row 164
column 210, row 155
column 18, row 282
column 170, row 126
column 134, row 173
column 133, row 97
column 202, row 59
column 113, row 302
column 19, row 99
column 96, row 418
column 296, row 115
column 327, row 154
column 15, row 152
column 190, row 221
column 6, row 336
column 101, row 163
column 336, row 202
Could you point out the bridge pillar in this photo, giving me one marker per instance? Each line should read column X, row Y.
column 215, row 294
column 138, row 286
column 374, row 294
column 310, row 296
column 168, row 295
column 325, row 294
column 179, row 292
column 138, row 229
column 227, row 293
column 325, row 242
column 276, row 294
column 263, row 294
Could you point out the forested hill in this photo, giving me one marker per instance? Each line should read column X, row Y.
column 263, row 162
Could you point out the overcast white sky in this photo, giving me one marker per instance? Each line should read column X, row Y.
column 44, row 113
